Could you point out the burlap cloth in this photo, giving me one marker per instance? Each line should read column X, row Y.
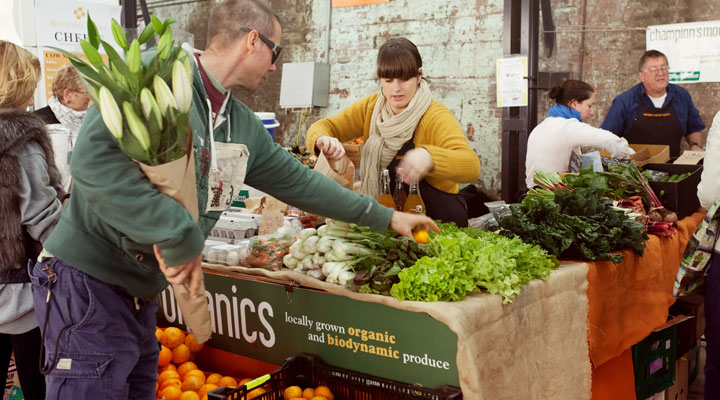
column 534, row 348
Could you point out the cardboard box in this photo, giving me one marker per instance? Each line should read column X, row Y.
column 654, row 360
column 354, row 152
column 680, row 197
column 647, row 153
column 692, row 304
column 679, row 390
column 693, row 359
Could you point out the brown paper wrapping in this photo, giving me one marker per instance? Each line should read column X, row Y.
column 341, row 171
column 177, row 180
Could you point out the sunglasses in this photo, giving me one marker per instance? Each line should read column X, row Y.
column 272, row 45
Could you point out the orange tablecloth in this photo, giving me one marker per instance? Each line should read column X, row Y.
column 627, row 301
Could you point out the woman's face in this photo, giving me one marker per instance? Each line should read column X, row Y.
column 586, row 108
column 78, row 100
column 399, row 92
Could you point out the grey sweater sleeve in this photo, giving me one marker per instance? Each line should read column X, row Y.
column 40, row 208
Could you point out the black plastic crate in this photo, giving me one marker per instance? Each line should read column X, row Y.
column 309, row 371
column 680, row 197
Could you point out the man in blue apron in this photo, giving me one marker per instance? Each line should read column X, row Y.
column 655, row 111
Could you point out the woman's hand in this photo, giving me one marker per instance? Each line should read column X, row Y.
column 331, row 147
column 415, row 165
column 404, row 223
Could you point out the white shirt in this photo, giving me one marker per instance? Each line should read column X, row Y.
column 709, row 187
column 551, row 143
column 658, row 101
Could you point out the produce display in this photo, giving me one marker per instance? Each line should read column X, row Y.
column 454, row 262
column 574, row 221
column 465, row 260
column 350, row 255
column 179, row 378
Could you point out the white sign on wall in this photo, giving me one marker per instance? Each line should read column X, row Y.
column 63, row 24
column 512, row 83
column 692, row 49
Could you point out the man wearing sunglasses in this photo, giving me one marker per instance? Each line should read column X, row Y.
column 655, row 111
column 121, row 241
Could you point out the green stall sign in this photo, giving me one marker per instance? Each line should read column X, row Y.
column 271, row 322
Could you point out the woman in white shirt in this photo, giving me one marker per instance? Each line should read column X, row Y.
column 552, row 142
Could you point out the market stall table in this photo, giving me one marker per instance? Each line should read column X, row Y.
column 626, row 302
column 535, row 347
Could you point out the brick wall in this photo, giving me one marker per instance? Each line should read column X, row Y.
column 459, row 41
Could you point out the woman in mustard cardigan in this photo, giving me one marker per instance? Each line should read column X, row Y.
column 406, row 132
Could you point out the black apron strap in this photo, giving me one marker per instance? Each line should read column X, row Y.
column 447, row 207
column 656, row 126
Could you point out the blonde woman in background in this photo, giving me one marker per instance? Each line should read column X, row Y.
column 69, row 101
column 30, row 206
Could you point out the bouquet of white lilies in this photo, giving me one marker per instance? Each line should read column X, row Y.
column 148, row 119
column 144, row 102
column 150, row 122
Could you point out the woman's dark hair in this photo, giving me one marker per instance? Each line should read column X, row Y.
column 398, row 58
column 571, row 90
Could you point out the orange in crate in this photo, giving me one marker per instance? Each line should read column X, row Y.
column 180, row 354
column 188, row 395
column 308, row 393
column 186, row 367
column 193, row 382
column 195, row 372
column 255, row 393
column 165, row 356
column 228, row 381
column 208, row 387
column 213, row 378
column 170, row 382
column 171, row 393
column 324, row 391
column 169, row 374
column 292, row 392
column 191, row 344
column 172, row 337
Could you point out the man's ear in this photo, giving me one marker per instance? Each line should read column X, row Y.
column 249, row 41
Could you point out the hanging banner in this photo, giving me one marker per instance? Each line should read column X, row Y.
column 512, row 83
column 64, row 25
column 692, row 49
column 349, row 3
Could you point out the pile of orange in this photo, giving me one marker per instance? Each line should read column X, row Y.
column 179, row 378
column 297, row 393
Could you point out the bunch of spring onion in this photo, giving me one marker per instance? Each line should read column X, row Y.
column 350, row 255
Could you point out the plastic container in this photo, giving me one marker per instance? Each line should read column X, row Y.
column 228, row 254
column 268, row 119
column 236, row 227
column 309, row 371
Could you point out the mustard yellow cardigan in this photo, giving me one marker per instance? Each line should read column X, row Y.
column 438, row 132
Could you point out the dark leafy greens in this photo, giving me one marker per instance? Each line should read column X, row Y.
column 580, row 224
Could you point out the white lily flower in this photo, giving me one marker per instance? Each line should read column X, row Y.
column 182, row 86
column 110, row 112
column 150, row 107
column 137, row 128
column 163, row 95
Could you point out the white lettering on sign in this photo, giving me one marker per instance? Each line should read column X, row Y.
column 235, row 314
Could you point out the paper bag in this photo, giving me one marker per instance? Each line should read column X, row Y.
column 195, row 312
column 341, row 171
column 177, row 180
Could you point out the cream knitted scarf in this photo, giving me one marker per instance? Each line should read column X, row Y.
column 67, row 116
column 388, row 133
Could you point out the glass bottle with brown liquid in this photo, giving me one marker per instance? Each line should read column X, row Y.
column 399, row 195
column 414, row 203
column 385, row 197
